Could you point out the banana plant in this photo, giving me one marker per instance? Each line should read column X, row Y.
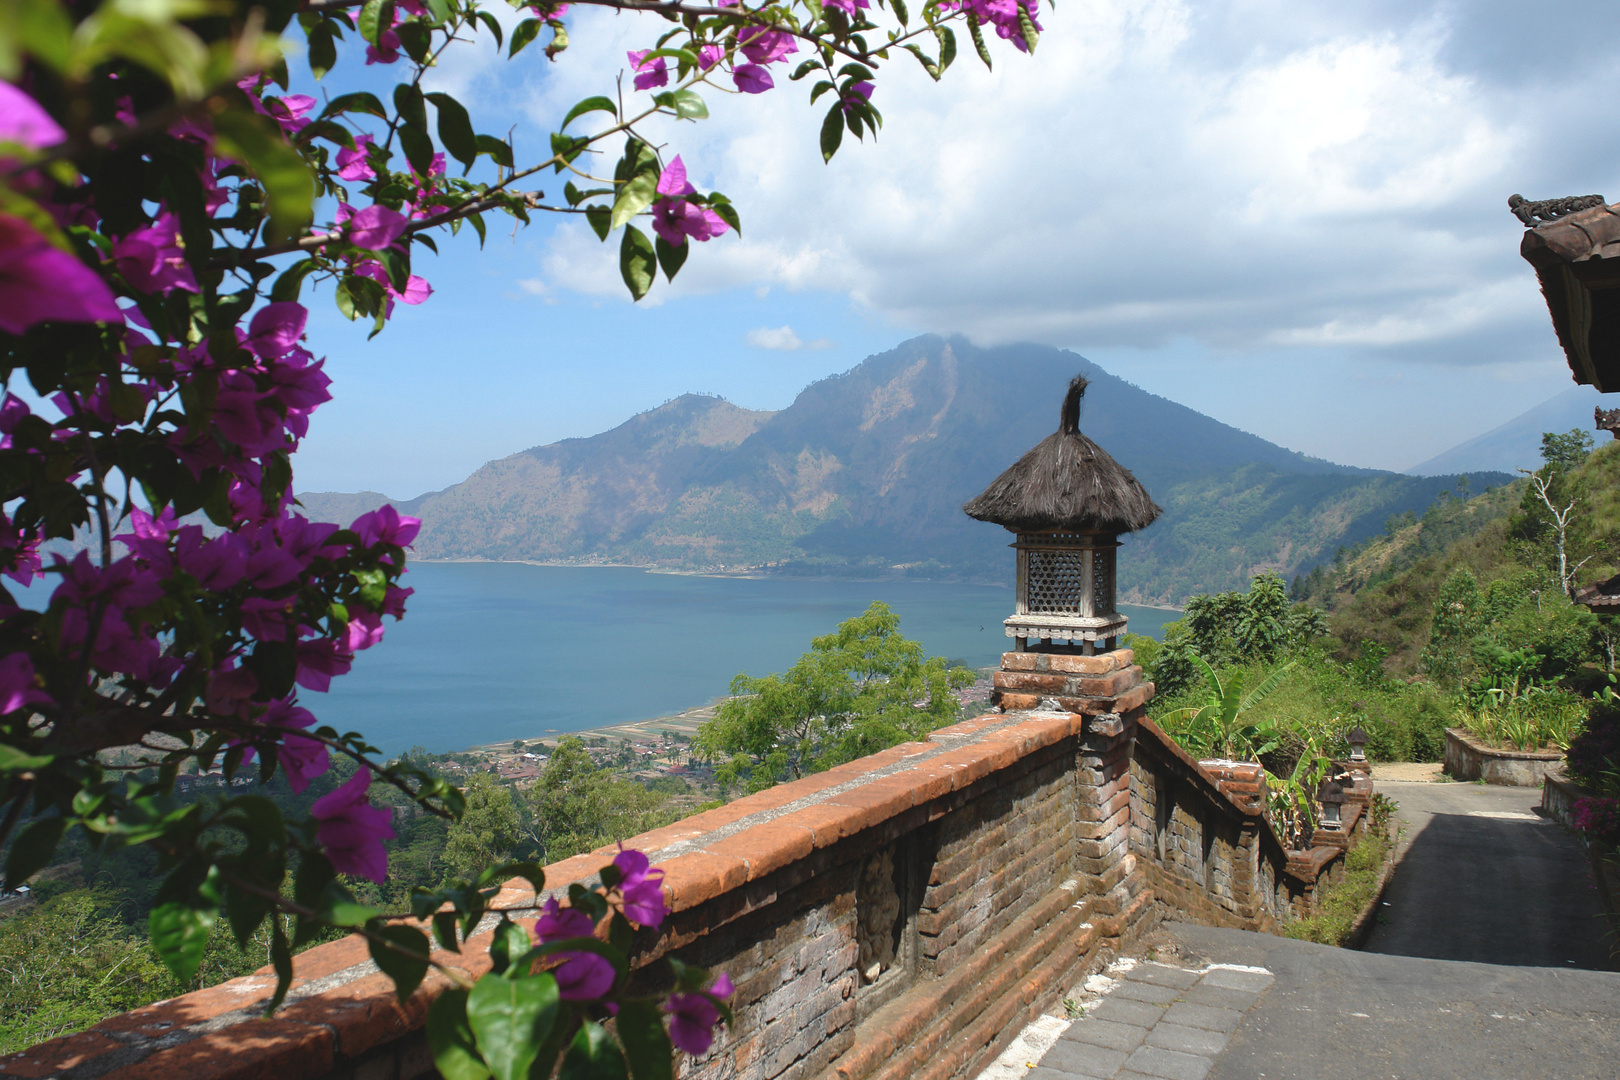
column 1221, row 727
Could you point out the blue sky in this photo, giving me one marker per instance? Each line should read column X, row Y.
column 1290, row 216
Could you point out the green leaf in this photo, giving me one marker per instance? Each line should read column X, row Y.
column 360, row 101
column 450, row 1037
column 289, row 185
column 900, row 12
column 978, row 40
column 32, row 850
column 688, row 106
column 510, row 1018
column 291, row 281
column 509, row 942
column 600, row 219
column 526, row 32
column 590, row 104
column 566, row 148
column 14, row 760
column 340, row 908
column 179, row 934
column 646, row 1044
column 494, row 27
column 411, row 105
column 418, row 147
column 499, row 151
column 925, row 60
column 947, row 46
column 415, row 39
column 408, row 967
column 820, row 88
column 455, row 129
column 440, row 10
column 322, row 53
column 832, row 131
column 671, row 256
column 593, row 1055
column 638, row 265
column 1027, row 28
column 477, row 222
column 635, row 195
column 371, row 19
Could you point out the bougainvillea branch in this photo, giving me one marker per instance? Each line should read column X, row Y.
column 169, row 201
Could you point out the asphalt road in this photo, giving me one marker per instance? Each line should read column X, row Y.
column 1335, row 1013
column 1485, row 878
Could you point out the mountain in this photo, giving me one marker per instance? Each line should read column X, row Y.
column 1517, row 443
column 866, row 473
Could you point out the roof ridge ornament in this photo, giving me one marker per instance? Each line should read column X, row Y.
column 1548, row 210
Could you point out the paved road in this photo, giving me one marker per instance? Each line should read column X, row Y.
column 1492, row 961
column 1485, row 878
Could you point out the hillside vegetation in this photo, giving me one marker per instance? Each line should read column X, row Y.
column 866, row 473
column 1459, row 616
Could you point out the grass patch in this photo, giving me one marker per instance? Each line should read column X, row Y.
column 1340, row 903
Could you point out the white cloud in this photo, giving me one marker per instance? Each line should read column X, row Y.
column 784, row 339
column 1246, row 175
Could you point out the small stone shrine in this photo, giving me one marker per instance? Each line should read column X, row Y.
column 1067, row 502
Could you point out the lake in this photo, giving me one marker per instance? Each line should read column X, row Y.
column 490, row 652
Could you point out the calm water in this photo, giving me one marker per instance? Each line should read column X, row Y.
column 490, row 652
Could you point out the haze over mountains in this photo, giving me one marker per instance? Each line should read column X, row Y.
column 866, row 472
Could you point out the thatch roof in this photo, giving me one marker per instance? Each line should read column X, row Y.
column 1066, row 482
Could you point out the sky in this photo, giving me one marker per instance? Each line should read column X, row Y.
column 1288, row 215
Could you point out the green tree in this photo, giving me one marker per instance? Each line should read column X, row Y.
column 858, row 690
column 488, row 830
column 575, row 806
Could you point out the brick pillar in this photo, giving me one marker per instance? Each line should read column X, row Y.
column 1109, row 691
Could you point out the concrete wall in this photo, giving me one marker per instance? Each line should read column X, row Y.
column 1469, row 759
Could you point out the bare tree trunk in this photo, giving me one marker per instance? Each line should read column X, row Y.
column 1561, row 520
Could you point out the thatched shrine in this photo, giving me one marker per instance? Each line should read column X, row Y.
column 1067, row 502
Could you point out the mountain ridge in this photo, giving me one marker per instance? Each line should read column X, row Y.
column 866, row 471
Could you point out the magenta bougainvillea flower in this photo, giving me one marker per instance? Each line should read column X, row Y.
column 40, row 282
column 649, row 73
column 693, row 1017
column 152, row 260
column 23, row 121
column 319, row 662
column 752, row 78
column 416, row 291
column 675, row 218
column 764, row 46
column 275, row 329
column 353, row 164
column 641, row 887
column 352, row 831
column 581, row 974
column 17, row 685
column 709, row 55
column 846, row 6
column 385, row 525
column 375, row 227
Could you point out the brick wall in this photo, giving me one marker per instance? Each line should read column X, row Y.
column 899, row 917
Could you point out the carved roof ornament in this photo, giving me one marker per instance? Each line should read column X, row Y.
column 1550, row 209
column 1607, row 420
column 1574, row 244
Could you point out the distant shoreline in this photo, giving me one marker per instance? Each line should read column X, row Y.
column 750, row 574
